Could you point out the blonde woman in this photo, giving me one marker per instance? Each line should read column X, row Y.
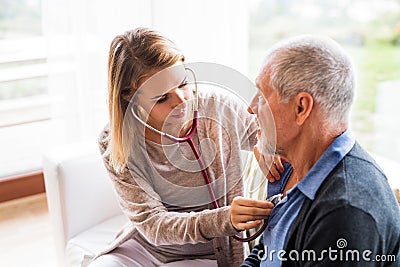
column 158, row 183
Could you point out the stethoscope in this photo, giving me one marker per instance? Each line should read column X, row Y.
column 189, row 139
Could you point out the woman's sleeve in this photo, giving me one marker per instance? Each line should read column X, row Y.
column 160, row 226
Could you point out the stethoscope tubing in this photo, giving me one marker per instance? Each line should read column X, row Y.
column 189, row 139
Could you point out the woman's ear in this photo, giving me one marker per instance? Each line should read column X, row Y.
column 304, row 104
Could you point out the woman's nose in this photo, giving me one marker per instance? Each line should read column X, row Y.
column 179, row 98
column 252, row 109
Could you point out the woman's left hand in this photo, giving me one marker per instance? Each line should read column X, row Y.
column 248, row 213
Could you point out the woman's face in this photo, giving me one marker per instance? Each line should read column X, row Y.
column 164, row 97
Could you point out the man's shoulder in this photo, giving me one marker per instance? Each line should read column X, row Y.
column 362, row 176
column 358, row 182
column 360, row 157
column 355, row 194
column 356, row 170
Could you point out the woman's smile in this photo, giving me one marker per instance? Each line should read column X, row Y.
column 179, row 115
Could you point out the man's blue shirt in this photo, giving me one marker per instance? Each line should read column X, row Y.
column 285, row 212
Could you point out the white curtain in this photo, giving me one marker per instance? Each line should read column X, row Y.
column 78, row 34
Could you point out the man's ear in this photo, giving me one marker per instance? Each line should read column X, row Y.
column 304, row 103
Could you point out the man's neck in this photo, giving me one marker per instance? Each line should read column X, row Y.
column 308, row 149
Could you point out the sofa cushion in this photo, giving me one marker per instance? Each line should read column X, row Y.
column 93, row 240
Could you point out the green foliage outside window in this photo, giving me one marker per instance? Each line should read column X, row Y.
column 372, row 37
column 20, row 18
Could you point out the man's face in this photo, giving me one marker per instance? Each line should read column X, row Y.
column 273, row 117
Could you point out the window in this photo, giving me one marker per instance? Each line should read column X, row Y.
column 53, row 88
column 24, row 99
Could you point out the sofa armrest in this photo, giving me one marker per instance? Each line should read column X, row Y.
column 79, row 192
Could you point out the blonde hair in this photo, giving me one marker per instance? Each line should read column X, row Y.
column 133, row 55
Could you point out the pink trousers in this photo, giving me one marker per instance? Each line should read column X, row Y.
column 132, row 254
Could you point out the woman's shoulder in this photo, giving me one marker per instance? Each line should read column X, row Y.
column 104, row 142
column 215, row 96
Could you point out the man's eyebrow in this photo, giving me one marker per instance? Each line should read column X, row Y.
column 158, row 96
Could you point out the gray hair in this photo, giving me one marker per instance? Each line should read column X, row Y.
column 316, row 65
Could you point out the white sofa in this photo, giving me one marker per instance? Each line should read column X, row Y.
column 83, row 206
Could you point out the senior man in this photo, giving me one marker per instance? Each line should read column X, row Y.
column 338, row 208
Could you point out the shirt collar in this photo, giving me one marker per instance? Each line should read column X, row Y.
column 325, row 164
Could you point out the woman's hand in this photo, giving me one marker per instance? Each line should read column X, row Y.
column 271, row 166
column 248, row 213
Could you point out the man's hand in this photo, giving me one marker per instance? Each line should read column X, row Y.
column 271, row 166
column 248, row 213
